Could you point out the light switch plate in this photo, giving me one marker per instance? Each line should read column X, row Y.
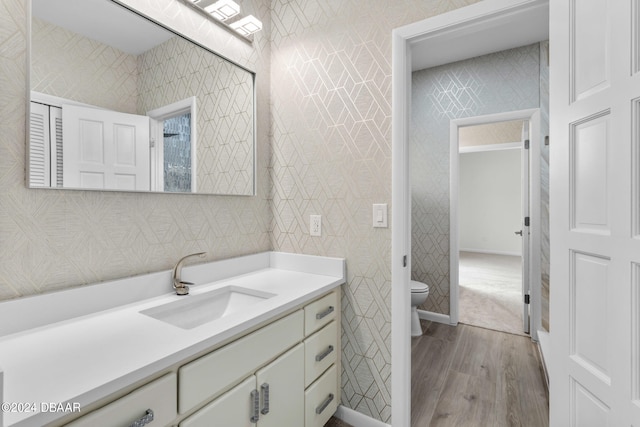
column 380, row 219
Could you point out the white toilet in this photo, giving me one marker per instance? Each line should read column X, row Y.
column 419, row 294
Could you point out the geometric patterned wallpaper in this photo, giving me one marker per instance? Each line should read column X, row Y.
column 71, row 66
column 331, row 142
column 498, row 82
column 224, row 107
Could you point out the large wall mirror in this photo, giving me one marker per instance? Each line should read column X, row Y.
column 121, row 103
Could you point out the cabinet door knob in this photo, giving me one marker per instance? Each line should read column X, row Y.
column 144, row 420
column 325, row 313
column 265, row 398
column 255, row 398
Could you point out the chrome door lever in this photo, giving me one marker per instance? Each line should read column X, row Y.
column 519, row 233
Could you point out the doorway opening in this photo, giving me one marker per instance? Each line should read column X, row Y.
column 487, row 22
column 502, row 222
column 492, row 287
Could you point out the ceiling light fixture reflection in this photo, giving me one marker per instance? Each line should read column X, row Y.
column 223, row 9
column 247, row 25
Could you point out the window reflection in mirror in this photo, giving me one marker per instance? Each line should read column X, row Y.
column 104, row 96
column 177, row 153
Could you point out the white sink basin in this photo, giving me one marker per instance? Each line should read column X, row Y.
column 191, row 311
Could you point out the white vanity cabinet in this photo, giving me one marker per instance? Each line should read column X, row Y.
column 273, row 397
column 284, row 374
column 210, row 375
column 299, row 388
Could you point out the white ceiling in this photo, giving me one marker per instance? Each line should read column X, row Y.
column 103, row 21
column 529, row 25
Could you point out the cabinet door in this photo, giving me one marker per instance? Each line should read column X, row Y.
column 234, row 408
column 281, row 386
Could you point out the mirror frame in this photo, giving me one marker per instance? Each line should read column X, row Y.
column 118, row 3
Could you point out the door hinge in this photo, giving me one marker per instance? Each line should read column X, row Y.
column 526, row 144
column 546, row 140
column 152, row 143
column 526, row 221
column 404, row 261
column 526, row 299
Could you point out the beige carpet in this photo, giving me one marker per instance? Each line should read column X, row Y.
column 490, row 293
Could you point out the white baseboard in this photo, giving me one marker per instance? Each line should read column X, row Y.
column 434, row 317
column 544, row 348
column 490, row 252
column 356, row 419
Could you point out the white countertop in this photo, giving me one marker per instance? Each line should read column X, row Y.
column 86, row 358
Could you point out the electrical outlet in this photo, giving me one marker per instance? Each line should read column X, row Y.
column 315, row 225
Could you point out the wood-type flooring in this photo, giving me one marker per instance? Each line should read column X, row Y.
column 467, row 376
column 470, row 376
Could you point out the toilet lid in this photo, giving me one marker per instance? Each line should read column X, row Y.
column 419, row 287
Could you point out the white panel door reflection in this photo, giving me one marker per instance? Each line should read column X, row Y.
column 105, row 149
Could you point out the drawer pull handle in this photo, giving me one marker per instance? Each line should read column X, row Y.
column 146, row 419
column 325, row 313
column 255, row 398
column 324, row 404
column 324, row 354
column 265, row 398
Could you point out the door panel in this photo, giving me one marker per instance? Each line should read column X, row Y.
column 593, row 171
column 105, row 149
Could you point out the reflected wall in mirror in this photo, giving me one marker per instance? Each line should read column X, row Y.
column 121, row 103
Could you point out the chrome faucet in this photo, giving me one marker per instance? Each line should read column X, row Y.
column 182, row 287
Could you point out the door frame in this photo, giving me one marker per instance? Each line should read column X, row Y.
column 533, row 116
column 433, row 33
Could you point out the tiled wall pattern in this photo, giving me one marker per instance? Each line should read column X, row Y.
column 71, row 66
column 499, row 82
column 331, row 108
column 224, row 104
column 52, row 239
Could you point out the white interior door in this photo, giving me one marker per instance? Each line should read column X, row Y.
column 105, row 149
column 524, row 232
column 595, row 215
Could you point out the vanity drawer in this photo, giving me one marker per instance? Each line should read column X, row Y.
column 158, row 396
column 320, row 351
column 319, row 313
column 321, row 399
column 208, row 376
